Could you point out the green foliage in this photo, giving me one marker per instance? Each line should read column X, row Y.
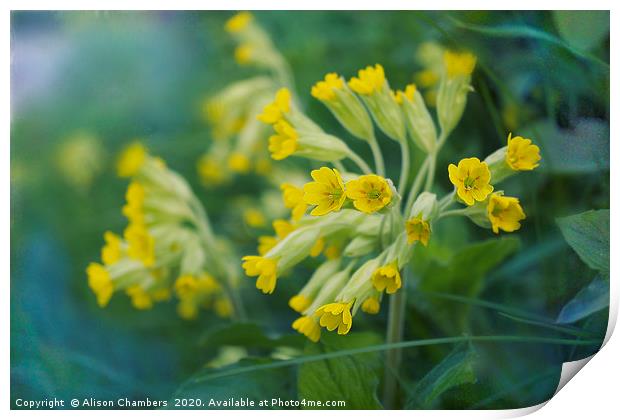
column 588, row 234
column 592, row 298
column 583, row 30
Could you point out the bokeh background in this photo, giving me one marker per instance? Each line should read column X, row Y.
column 111, row 77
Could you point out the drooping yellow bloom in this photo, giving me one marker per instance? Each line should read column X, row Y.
column 282, row 228
column 336, row 315
column 408, row 93
column 140, row 299
column 505, row 213
column 187, row 309
column 471, row 179
column 131, row 160
column 369, row 80
column 522, row 154
column 293, row 198
column 371, row 305
column 299, row 303
column 324, row 89
column 140, row 244
column 265, row 269
column 273, row 112
column 427, row 78
column 111, row 251
column 238, row 162
column 133, row 209
column 418, row 230
column 326, row 192
column 370, row 193
column 210, row 170
column 284, row 142
column 100, row 283
column 223, row 308
column 317, row 248
column 266, row 243
column 243, row 54
column 459, row 64
column 254, row 218
column 309, row 327
column 238, row 22
column 387, row 278
column 186, row 286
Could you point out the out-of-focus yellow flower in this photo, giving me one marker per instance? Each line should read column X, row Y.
column 238, row 22
column 418, row 230
column 308, row 326
column 317, row 248
column 326, row 192
column 243, row 54
column 264, row 268
column 324, row 89
column 187, row 309
column 426, row 78
column 370, row 193
column 522, row 154
column 407, row 93
column 282, row 228
column 210, row 170
column 284, row 142
column 266, row 243
column 369, row 80
column 387, row 278
column 239, row 163
column 131, row 160
column 141, row 245
column 299, row 303
column 336, row 315
column 471, row 179
column 505, row 213
column 273, row 112
column 254, row 218
column 111, row 252
column 140, row 299
column 294, row 199
column 459, row 64
column 371, row 305
column 133, row 209
column 100, row 283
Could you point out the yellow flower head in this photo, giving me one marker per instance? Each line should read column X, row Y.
column 134, row 209
column 282, row 228
column 243, row 54
column 387, row 278
column 408, row 93
column 471, row 179
column 100, row 283
column 284, row 142
column 266, row 243
column 223, row 308
column 293, row 198
column 273, row 112
column 505, row 213
column 186, row 286
column 254, row 218
column 238, row 162
column 370, row 193
column 459, row 64
column 299, row 303
column 187, row 309
column 336, row 315
column 326, row 192
column 426, row 78
column 309, row 327
column 371, row 305
column 140, row 244
column 140, row 299
column 369, row 80
column 418, row 230
column 265, row 269
column 131, row 160
column 210, row 170
column 522, row 154
column 238, row 22
column 324, row 89
column 111, row 251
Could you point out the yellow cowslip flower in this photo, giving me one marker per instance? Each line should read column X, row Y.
column 309, row 327
column 370, row 193
column 140, row 244
column 326, row 192
column 459, row 64
column 426, row 78
column 243, row 54
column 187, row 309
column 522, row 154
column 293, row 198
column 266, row 243
column 418, row 230
column 264, row 268
column 274, row 112
column 131, row 160
column 100, row 283
column 369, row 80
column 324, row 89
column 222, row 307
column 284, row 142
column 399, row 95
column 471, row 179
column 387, row 278
column 371, row 305
column 299, row 303
column 317, row 248
column 140, row 299
column 134, row 208
column 254, row 218
column 505, row 213
column 185, row 286
column 210, row 170
column 111, row 251
column 238, row 22
column 282, row 228
column 238, row 162
column 336, row 315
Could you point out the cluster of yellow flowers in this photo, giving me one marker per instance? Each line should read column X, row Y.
column 166, row 246
column 370, row 225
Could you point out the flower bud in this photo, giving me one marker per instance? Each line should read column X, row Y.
column 453, row 89
column 417, row 118
column 360, row 246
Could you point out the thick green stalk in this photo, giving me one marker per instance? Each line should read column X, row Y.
column 377, row 156
column 359, row 162
column 404, row 167
column 417, row 185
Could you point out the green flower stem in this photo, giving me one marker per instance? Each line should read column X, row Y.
column 446, row 201
column 359, row 162
column 450, row 213
column 376, row 154
column 431, row 171
column 417, row 184
column 404, row 167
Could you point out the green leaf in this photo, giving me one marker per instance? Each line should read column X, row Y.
column 455, row 370
column 588, row 234
column 582, row 29
column 353, row 379
column 592, row 298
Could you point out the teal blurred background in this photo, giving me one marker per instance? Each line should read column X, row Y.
column 116, row 76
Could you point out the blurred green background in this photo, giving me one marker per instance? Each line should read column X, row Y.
column 116, row 76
